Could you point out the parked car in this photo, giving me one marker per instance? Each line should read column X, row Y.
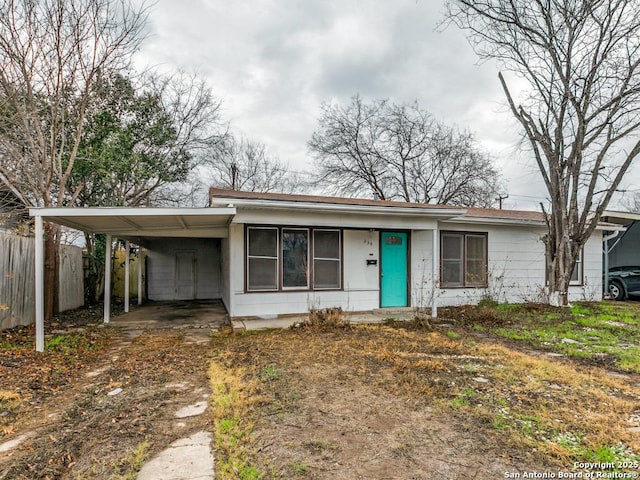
column 623, row 282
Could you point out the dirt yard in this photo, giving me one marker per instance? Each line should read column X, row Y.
column 371, row 402
column 72, row 427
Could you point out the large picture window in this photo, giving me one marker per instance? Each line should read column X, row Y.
column 280, row 258
column 463, row 259
column 295, row 254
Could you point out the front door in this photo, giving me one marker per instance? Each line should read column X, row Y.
column 393, row 269
column 185, row 275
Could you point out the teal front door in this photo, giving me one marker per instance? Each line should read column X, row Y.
column 393, row 269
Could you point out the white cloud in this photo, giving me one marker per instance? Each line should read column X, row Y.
column 273, row 62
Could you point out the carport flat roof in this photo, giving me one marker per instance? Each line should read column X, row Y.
column 621, row 218
column 142, row 222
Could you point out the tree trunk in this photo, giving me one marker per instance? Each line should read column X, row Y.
column 51, row 268
column 560, row 260
column 95, row 274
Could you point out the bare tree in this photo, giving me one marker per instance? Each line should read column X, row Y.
column 632, row 204
column 14, row 216
column 400, row 152
column 52, row 53
column 580, row 111
column 245, row 165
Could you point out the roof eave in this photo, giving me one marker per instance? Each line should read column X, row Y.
column 53, row 212
column 496, row 221
column 339, row 208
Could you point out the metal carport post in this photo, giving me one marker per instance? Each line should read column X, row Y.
column 39, row 261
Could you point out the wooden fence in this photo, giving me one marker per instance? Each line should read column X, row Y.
column 17, row 280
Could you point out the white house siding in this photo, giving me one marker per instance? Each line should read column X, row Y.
column 592, row 284
column 361, row 282
column 161, row 267
column 225, row 272
column 516, row 267
column 515, row 263
column 421, row 268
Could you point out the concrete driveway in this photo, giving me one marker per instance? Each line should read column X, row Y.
column 193, row 314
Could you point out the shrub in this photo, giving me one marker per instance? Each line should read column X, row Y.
column 326, row 319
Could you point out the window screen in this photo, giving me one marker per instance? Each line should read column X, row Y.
column 326, row 259
column 451, row 247
column 576, row 275
column 463, row 258
column 476, row 269
column 280, row 258
column 262, row 261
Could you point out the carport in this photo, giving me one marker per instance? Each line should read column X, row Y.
column 134, row 225
column 621, row 246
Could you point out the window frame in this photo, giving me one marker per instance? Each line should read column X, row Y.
column 310, row 258
column 463, row 261
column 579, row 263
column 248, row 257
column 314, row 258
column 580, row 266
column 281, row 262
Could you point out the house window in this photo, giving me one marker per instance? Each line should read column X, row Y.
column 326, row 259
column 576, row 275
column 293, row 259
column 295, row 254
column 262, row 259
column 463, row 259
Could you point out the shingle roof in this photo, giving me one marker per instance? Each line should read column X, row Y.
column 529, row 215
column 488, row 213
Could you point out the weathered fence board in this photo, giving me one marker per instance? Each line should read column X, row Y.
column 17, row 280
column 71, row 292
column 17, row 288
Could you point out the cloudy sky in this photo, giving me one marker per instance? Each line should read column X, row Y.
column 274, row 62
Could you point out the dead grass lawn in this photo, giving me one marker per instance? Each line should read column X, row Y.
column 383, row 402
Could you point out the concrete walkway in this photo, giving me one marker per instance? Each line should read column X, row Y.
column 191, row 457
column 186, row 459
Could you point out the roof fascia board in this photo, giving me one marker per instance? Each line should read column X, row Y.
column 53, row 212
column 495, row 221
column 340, row 208
column 332, row 219
column 625, row 215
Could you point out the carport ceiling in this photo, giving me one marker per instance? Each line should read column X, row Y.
column 143, row 222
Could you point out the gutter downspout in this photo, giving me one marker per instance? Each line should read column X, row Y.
column 606, row 258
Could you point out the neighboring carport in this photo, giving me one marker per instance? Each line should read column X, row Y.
column 134, row 225
column 621, row 247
